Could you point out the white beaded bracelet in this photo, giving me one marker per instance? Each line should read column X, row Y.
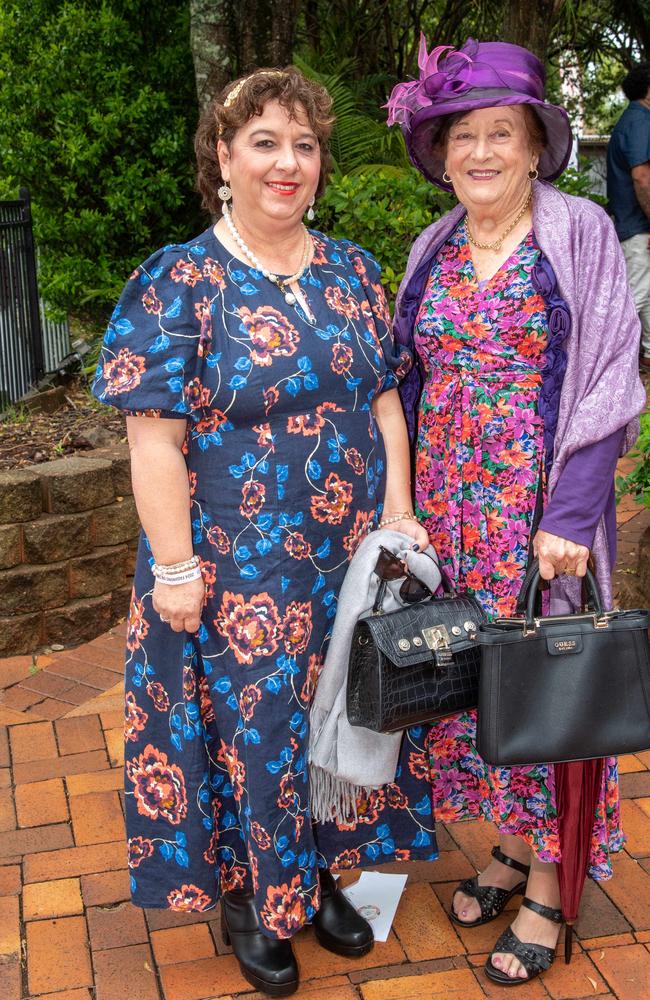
column 404, row 516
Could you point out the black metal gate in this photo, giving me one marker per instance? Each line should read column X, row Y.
column 30, row 344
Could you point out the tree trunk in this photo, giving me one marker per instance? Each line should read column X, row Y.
column 232, row 37
column 529, row 23
column 211, row 49
column 266, row 33
column 312, row 25
column 283, row 31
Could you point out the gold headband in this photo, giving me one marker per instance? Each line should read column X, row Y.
column 235, row 92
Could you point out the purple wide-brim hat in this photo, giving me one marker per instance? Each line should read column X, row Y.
column 479, row 75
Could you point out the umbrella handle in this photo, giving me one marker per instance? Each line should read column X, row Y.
column 568, row 943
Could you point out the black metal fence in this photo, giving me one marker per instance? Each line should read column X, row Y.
column 30, row 345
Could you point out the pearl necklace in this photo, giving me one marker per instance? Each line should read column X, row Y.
column 496, row 246
column 282, row 283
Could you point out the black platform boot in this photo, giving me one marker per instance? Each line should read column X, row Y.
column 338, row 926
column 267, row 963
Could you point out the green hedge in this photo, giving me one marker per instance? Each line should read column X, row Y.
column 97, row 114
column 382, row 210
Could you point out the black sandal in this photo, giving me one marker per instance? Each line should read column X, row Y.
column 535, row 958
column 490, row 898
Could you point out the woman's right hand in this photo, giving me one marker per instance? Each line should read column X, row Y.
column 180, row 606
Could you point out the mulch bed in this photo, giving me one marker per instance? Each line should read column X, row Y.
column 79, row 425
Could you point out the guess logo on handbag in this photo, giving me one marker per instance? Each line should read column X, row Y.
column 561, row 647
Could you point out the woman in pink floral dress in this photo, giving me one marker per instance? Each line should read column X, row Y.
column 518, row 414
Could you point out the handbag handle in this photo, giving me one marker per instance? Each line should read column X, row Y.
column 528, row 592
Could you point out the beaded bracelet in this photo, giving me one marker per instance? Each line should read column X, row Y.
column 177, row 573
column 178, row 567
column 404, row 516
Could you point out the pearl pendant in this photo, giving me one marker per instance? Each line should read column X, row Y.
column 290, row 298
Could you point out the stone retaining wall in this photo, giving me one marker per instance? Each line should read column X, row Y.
column 68, row 537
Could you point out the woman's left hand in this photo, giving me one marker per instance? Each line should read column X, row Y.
column 558, row 555
column 411, row 527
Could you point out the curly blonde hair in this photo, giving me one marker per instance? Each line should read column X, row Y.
column 246, row 97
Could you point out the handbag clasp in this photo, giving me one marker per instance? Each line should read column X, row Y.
column 436, row 637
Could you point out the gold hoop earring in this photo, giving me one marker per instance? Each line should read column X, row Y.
column 533, row 174
column 446, row 178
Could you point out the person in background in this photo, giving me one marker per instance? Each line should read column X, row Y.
column 628, row 191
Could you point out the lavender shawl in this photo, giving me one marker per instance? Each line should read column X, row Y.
column 601, row 390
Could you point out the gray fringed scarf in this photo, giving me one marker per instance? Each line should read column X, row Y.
column 345, row 760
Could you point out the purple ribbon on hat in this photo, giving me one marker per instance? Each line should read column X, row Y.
column 447, row 73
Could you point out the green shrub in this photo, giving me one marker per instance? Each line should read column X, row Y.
column 638, row 481
column 383, row 210
column 578, row 182
column 97, row 113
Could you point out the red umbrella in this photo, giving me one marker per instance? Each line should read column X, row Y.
column 577, row 790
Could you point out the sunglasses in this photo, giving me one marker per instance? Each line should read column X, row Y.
column 389, row 568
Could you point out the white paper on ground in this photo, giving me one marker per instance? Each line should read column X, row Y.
column 376, row 897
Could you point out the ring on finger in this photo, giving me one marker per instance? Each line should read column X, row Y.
column 165, row 620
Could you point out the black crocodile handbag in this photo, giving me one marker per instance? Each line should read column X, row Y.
column 563, row 687
column 416, row 664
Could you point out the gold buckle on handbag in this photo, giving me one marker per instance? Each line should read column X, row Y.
column 436, row 637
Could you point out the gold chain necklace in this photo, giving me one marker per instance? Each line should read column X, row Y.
column 496, row 246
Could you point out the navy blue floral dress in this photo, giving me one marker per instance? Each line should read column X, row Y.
column 286, row 470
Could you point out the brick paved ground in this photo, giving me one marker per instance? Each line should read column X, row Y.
column 68, row 932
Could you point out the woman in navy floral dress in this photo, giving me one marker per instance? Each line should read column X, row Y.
column 253, row 423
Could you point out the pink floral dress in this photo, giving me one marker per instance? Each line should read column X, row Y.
column 479, row 461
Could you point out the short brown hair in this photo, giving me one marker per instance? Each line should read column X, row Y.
column 287, row 86
column 534, row 127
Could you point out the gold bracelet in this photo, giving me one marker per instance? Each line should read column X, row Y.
column 404, row 516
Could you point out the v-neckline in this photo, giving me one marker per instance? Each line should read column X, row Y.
column 482, row 283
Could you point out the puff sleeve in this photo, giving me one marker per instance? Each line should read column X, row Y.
column 159, row 337
column 394, row 361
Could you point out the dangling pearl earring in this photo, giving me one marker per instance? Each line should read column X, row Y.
column 311, row 215
column 225, row 194
column 446, row 178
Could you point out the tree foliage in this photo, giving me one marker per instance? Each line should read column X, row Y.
column 97, row 113
column 98, row 104
column 382, row 211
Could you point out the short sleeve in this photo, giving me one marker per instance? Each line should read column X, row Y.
column 395, row 361
column 635, row 142
column 158, row 338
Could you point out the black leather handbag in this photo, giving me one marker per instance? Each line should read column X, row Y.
column 565, row 687
column 415, row 664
